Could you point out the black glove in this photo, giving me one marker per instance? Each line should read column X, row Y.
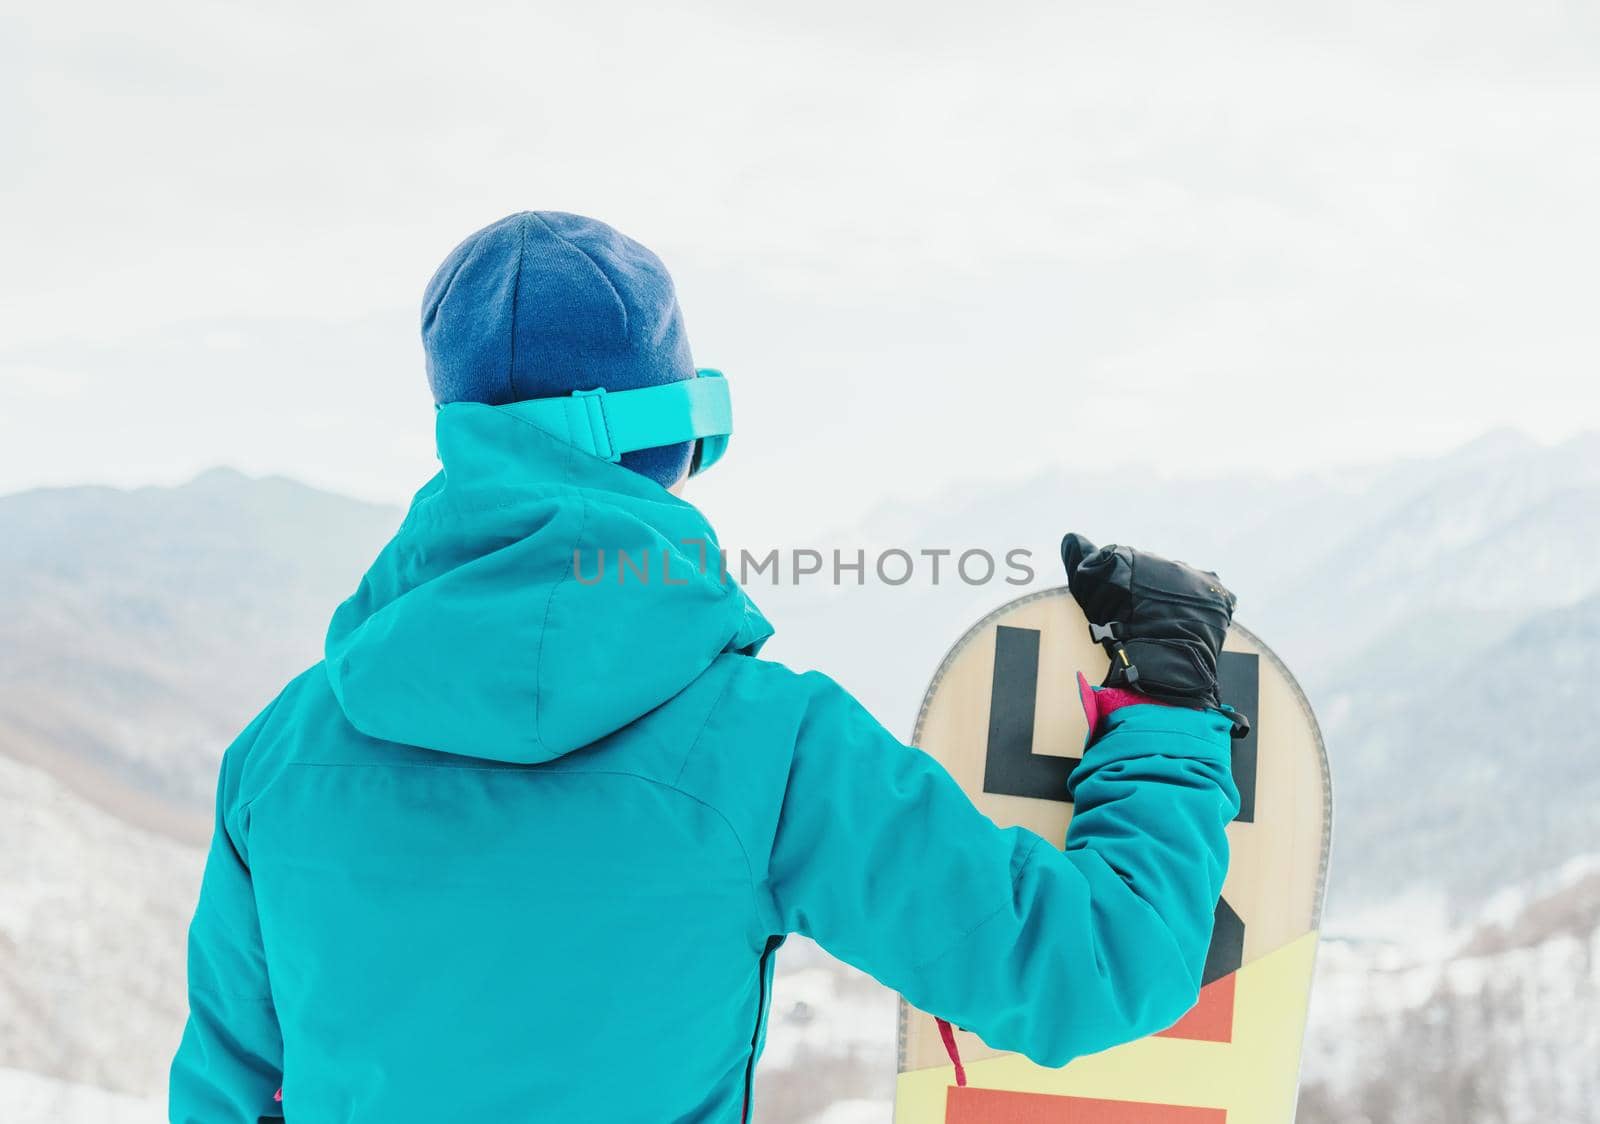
column 1161, row 622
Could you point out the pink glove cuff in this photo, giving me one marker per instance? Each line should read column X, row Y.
column 1101, row 701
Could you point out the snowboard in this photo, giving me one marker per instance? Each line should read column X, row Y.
column 1002, row 715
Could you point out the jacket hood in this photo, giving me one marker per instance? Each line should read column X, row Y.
column 534, row 600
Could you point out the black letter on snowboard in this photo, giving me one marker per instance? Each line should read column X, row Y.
column 1011, row 768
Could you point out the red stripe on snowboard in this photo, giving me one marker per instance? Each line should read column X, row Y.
column 1211, row 1018
column 1000, row 1106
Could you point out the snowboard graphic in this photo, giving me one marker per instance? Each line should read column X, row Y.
column 1002, row 715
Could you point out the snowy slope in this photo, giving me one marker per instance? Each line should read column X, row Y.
column 1500, row 1023
column 93, row 914
column 29, row 1098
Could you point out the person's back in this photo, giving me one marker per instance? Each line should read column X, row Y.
column 524, row 845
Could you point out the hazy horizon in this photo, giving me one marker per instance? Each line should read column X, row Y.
column 926, row 244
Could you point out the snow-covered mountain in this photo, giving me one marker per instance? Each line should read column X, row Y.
column 1444, row 615
column 29, row 1098
column 1498, row 1024
column 92, row 919
column 140, row 630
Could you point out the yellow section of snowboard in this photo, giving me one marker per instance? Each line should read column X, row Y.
column 1254, row 1077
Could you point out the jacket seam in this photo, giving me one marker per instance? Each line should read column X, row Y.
column 241, row 809
column 550, row 604
column 231, row 996
column 749, row 871
column 705, row 724
column 988, row 917
column 711, row 711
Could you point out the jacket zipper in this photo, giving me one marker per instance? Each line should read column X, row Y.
column 762, row 1000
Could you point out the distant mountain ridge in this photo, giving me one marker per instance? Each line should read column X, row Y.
column 142, row 629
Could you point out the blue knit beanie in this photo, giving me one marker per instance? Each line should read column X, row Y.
column 544, row 303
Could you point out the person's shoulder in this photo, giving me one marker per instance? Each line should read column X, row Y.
column 269, row 741
column 757, row 714
column 275, row 714
column 750, row 713
column 760, row 702
column 769, row 684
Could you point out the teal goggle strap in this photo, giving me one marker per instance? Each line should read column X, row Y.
column 608, row 423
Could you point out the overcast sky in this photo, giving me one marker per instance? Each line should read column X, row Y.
column 927, row 243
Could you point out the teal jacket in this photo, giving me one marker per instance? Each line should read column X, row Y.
column 524, row 845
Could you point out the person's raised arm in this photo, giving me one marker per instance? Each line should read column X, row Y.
column 883, row 860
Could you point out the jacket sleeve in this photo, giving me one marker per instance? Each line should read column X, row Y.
column 885, row 862
column 229, row 1064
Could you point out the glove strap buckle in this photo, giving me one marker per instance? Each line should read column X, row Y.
column 1106, row 636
